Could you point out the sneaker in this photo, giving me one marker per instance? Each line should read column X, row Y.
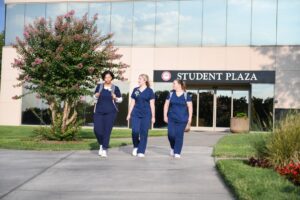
column 104, row 153
column 134, row 151
column 172, row 152
column 100, row 151
column 141, row 155
column 177, row 155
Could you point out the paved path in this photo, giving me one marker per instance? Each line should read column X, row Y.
column 83, row 175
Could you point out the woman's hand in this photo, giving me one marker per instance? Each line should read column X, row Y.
column 113, row 96
column 166, row 119
column 97, row 94
column 190, row 121
column 153, row 120
column 128, row 117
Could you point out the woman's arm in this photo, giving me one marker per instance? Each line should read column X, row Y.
column 152, row 106
column 190, row 110
column 166, row 109
column 132, row 103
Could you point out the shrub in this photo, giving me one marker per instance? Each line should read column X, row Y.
column 241, row 115
column 283, row 146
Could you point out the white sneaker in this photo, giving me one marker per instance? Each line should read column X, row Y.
column 141, row 155
column 104, row 153
column 100, row 151
column 172, row 152
column 134, row 151
column 177, row 155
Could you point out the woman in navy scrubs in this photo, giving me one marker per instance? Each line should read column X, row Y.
column 178, row 110
column 141, row 112
column 107, row 95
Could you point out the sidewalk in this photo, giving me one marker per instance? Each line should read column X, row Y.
column 83, row 175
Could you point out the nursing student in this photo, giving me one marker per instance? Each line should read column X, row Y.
column 141, row 112
column 178, row 110
column 107, row 96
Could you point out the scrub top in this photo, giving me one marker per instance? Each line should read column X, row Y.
column 142, row 102
column 178, row 110
column 105, row 103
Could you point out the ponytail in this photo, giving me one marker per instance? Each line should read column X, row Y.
column 146, row 78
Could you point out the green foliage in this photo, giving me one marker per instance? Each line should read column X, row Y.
column 259, row 143
column 284, row 143
column 241, row 115
column 256, row 183
column 61, row 62
column 1, row 46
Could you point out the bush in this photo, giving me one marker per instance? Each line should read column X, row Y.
column 284, row 144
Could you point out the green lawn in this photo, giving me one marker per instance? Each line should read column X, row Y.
column 256, row 183
column 237, row 145
column 245, row 181
column 22, row 137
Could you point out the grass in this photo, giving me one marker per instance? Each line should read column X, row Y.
column 256, row 183
column 245, row 181
column 236, row 145
column 22, row 138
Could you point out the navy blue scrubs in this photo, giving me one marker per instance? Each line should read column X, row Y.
column 141, row 117
column 178, row 116
column 105, row 115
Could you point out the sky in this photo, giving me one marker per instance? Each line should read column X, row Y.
column 2, row 15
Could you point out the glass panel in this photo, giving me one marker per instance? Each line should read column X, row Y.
column 103, row 11
column 239, row 22
column 167, row 23
column 264, row 22
column 262, row 107
column 14, row 22
column 288, row 31
column 240, row 102
column 55, row 9
column 33, row 11
column 193, row 93
column 223, row 108
column 80, row 9
column 214, row 22
column 121, row 22
column 190, row 23
column 206, row 101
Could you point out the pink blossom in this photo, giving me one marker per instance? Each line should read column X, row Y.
column 26, row 34
column 38, row 96
column 80, row 65
column 96, row 16
column 42, row 21
column 91, row 70
column 15, row 97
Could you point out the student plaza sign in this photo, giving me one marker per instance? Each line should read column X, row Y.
column 215, row 76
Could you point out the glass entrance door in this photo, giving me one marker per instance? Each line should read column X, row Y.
column 213, row 108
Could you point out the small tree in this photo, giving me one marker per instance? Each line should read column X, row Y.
column 63, row 62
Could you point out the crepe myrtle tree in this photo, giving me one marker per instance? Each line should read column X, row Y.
column 61, row 62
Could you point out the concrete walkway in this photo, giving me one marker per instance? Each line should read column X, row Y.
column 83, row 175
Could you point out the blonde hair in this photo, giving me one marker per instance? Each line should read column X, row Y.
column 146, row 79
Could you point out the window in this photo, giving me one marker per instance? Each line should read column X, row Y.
column 14, row 22
column 239, row 22
column 144, row 23
column 167, row 23
column 34, row 11
column 288, row 32
column 103, row 11
column 264, row 22
column 190, row 23
column 121, row 22
column 80, row 9
column 55, row 9
column 214, row 22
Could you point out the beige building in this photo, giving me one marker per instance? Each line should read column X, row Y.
column 236, row 56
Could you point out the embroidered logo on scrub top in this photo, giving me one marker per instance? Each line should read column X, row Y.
column 137, row 93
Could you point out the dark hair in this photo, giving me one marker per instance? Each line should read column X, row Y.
column 107, row 72
column 182, row 83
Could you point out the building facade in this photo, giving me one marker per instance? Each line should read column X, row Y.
column 237, row 56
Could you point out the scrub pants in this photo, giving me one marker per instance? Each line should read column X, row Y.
column 140, row 127
column 103, row 124
column 175, row 135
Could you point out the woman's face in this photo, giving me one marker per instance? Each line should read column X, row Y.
column 107, row 78
column 141, row 81
column 176, row 85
